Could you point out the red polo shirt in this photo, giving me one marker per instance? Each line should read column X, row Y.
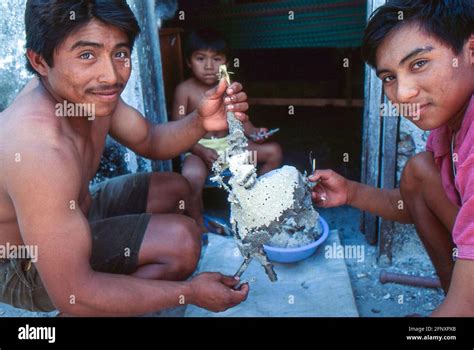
column 460, row 189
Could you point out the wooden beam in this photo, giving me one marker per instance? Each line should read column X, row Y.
column 371, row 147
column 151, row 77
column 371, row 137
column 209, row 13
column 306, row 102
column 388, row 170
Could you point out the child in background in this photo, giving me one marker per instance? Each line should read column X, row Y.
column 205, row 51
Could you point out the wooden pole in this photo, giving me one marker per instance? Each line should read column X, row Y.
column 150, row 66
column 379, row 156
column 371, row 137
column 388, row 170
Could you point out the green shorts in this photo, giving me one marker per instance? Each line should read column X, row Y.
column 118, row 223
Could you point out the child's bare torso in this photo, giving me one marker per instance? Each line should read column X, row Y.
column 195, row 92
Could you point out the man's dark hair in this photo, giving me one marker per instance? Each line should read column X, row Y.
column 49, row 22
column 205, row 39
column 449, row 21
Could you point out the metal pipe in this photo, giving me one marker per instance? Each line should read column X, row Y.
column 243, row 267
column 417, row 281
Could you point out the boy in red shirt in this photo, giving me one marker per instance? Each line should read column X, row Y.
column 423, row 51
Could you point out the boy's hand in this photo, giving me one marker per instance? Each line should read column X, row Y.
column 213, row 107
column 214, row 292
column 333, row 190
column 259, row 135
column 209, row 156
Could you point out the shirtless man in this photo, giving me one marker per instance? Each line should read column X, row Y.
column 127, row 249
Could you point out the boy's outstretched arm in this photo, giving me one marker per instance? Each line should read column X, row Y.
column 251, row 129
column 335, row 190
column 168, row 140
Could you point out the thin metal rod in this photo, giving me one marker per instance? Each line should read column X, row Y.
column 417, row 281
column 243, row 267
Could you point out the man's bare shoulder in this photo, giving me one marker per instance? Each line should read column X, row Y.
column 38, row 163
column 29, row 141
column 33, row 129
column 30, row 115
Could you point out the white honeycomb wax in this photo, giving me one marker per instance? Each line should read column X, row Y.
column 278, row 202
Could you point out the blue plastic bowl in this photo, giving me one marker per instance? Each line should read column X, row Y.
column 290, row 255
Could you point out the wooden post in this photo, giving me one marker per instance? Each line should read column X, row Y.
column 379, row 156
column 388, row 170
column 371, row 137
column 151, row 76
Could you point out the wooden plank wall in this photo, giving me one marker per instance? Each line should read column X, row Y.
column 379, row 156
column 388, row 169
column 151, row 76
column 371, row 137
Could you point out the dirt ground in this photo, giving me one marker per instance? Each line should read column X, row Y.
column 373, row 298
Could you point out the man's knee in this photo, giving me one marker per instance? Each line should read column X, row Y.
column 277, row 153
column 180, row 184
column 195, row 168
column 195, row 174
column 176, row 185
column 188, row 248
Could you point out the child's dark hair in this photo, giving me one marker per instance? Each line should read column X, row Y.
column 450, row 21
column 206, row 39
column 49, row 22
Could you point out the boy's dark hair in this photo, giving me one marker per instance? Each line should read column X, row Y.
column 450, row 21
column 49, row 22
column 205, row 39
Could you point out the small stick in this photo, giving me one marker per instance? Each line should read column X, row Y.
column 224, row 73
column 243, row 267
column 270, row 272
column 312, row 162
